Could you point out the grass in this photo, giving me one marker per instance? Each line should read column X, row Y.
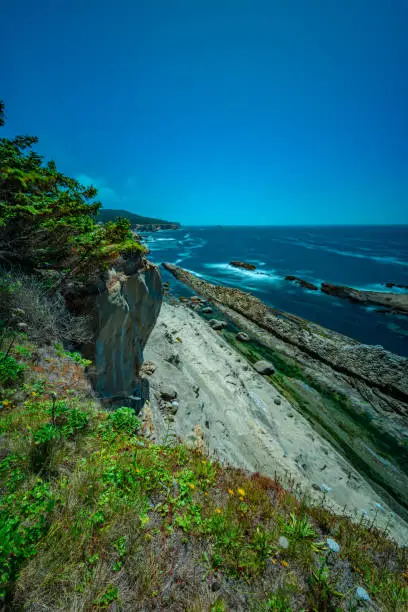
column 94, row 516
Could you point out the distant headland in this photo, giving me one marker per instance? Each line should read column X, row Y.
column 138, row 222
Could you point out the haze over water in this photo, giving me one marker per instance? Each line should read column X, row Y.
column 362, row 257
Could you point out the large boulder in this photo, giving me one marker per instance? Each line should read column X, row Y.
column 264, row 367
column 217, row 325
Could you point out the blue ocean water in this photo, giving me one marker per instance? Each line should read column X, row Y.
column 362, row 257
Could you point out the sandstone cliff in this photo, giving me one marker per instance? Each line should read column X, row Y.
column 123, row 307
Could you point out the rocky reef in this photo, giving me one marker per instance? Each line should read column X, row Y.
column 356, row 395
column 372, row 364
column 242, row 264
column 302, row 283
column 394, row 302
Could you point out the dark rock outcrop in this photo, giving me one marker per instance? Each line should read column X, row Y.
column 242, row 264
column 396, row 302
column 302, row 283
column 398, row 286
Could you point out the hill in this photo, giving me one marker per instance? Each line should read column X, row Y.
column 95, row 515
column 109, row 214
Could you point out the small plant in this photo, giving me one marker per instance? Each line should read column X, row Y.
column 23, row 351
column 262, row 543
column 278, row 602
column 10, row 369
column 124, row 420
column 109, row 596
column 23, row 522
column 299, row 529
column 321, row 587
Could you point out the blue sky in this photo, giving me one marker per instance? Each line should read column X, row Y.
column 218, row 111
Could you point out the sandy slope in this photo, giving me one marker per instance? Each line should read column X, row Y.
column 240, row 420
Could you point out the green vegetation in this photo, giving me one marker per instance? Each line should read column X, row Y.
column 93, row 514
column 47, row 219
column 106, row 214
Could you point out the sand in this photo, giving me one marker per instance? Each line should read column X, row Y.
column 242, row 419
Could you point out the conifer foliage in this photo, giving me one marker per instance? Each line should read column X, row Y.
column 48, row 220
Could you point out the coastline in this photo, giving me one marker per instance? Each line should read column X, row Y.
column 260, row 430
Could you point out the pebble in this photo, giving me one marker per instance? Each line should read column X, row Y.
column 242, row 336
column 332, row 544
column 174, row 406
column 362, row 594
column 380, row 507
column 325, row 488
column 277, row 401
column 283, row 542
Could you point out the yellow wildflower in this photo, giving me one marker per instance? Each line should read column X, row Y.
column 231, row 492
column 273, row 561
column 218, row 510
column 5, row 402
column 241, row 492
column 190, row 484
column 241, row 499
column 285, row 564
column 33, row 393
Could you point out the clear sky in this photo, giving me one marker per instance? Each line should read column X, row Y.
column 218, row 111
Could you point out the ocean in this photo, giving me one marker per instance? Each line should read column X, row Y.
column 359, row 256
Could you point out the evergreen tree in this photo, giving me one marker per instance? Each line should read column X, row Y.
column 48, row 220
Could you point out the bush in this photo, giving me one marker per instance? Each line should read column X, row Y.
column 10, row 370
column 124, row 420
column 25, row 299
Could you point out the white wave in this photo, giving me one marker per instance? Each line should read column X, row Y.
column 268, row 276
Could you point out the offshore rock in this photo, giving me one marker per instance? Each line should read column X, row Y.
column 302, row 283
column 242, row 264
column 396, row 302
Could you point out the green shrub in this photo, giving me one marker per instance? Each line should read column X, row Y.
column 10, row 369
column 23, row 522
column 124, row 420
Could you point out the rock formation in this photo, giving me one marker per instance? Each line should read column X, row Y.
column 123, row 307
column 368, row 385
column 373, row 364
column 302, row 283
column 242, row 264
column 395, row 302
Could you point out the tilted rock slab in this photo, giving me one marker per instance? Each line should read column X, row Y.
column 372, row 364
